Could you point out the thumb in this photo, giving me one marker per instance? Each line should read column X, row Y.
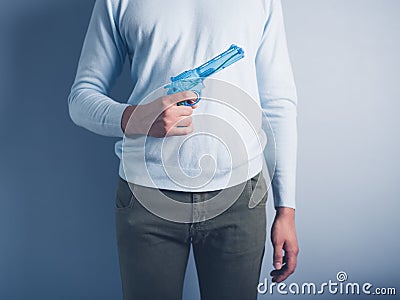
column 182, row 96
column 278, row 257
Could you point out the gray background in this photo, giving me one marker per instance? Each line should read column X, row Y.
column 57, row 181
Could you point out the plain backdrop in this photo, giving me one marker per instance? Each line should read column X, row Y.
column 57, row 181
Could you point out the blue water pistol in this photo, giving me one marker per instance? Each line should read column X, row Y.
column 192, row 80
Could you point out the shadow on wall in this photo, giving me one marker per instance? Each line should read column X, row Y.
column 58, row 180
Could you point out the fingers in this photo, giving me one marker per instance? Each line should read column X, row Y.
column 291, row 262
column 278, row 257
column 169, row 118
column 178, row 111
column 184, row 122
column 290, row 259
column 171, row 127
column 180, row 130
column 179, row 97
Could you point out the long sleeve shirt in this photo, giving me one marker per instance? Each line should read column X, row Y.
column 163, row 38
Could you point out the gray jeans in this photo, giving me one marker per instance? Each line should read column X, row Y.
column 228, row 249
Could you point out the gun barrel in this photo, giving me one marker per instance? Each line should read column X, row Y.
column 220, row 62
column 214, row 65
column 193, row 79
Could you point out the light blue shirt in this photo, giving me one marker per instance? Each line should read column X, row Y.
column 163, row 38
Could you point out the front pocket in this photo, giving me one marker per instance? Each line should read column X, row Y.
column 124, row 195
column 258, row 189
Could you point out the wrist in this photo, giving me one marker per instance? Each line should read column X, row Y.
column 285, row 212
column 126, row 115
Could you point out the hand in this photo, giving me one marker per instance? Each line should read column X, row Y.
column 283, row 237
column 160, row 118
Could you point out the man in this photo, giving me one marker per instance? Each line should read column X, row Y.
column 169, row 195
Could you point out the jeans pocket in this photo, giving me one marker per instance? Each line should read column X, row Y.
column 258, row 189
column 124, row 196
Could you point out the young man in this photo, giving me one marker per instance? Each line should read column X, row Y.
column 169, row 196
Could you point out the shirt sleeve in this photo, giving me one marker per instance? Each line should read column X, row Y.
column 102, row 58
column 278, row 96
